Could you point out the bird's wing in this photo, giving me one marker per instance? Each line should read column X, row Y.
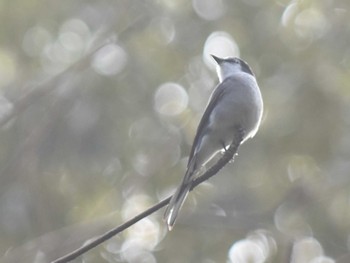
column 218, row 93
column 179, row 197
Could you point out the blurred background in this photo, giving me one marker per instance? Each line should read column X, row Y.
column 99, row 103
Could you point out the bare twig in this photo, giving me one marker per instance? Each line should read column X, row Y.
column 111, row 233
column 227, row 156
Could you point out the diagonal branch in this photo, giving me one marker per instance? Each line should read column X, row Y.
column 226, row 157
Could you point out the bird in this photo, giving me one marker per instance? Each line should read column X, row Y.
column 234, row 107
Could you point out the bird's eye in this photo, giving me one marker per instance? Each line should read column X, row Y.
column 232, row 60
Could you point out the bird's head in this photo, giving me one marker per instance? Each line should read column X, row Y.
column 230, row 66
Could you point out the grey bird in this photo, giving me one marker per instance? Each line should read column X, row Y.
column 235, row 106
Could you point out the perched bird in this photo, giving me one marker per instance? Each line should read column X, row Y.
column 235, row 106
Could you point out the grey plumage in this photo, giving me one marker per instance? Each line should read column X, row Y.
column 235, row 102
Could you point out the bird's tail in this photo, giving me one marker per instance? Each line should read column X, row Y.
column 178, row 198
column 175, row 205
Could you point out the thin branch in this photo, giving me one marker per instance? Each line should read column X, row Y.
column 226, row 157
column 111, row 233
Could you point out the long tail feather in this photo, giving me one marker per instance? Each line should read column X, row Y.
column 175, row 205
column 178, row 198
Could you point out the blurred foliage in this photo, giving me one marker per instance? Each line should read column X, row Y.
column 112, row 134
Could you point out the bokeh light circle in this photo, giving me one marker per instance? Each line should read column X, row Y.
column 220, row 44
column 110, row 60
column 170, row 99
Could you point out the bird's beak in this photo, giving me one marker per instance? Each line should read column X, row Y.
column 217, row 59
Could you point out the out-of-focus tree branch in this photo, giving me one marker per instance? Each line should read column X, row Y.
column 42, row 89
column 49, row 85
